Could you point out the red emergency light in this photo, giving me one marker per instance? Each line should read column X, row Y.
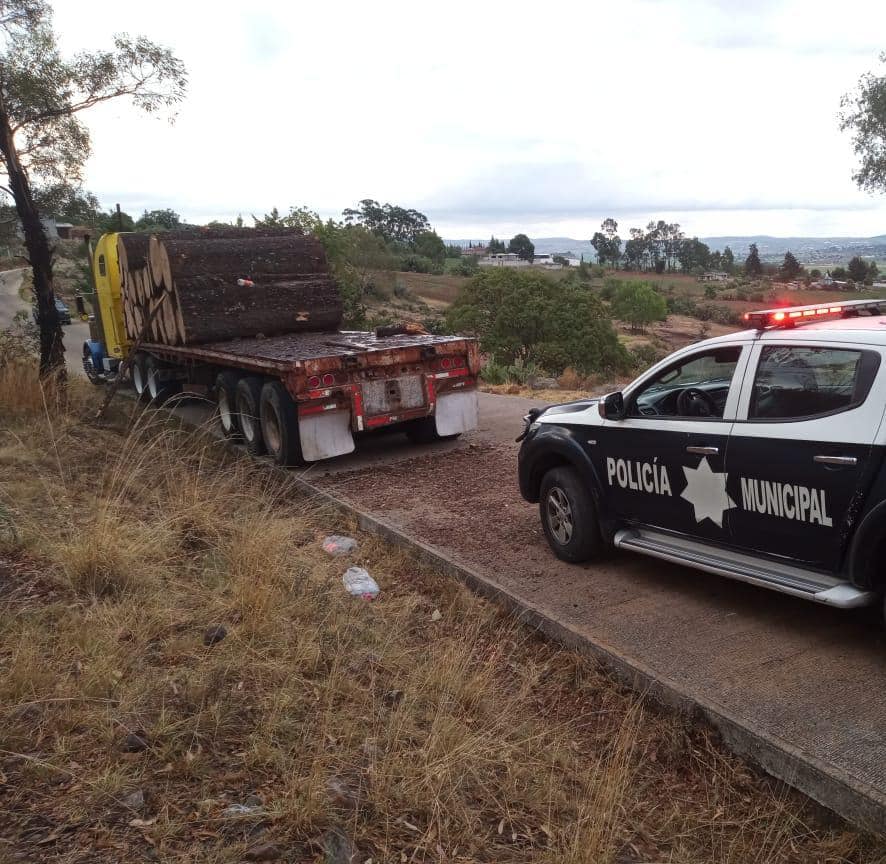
column 789, row 316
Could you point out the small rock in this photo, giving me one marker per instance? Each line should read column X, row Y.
column 135, row 800
column 215, row 634
column 338, row 848
column 436, row 615
column 135, row 742
column 253, row 801
column 241, row 810
column 265, row 852
column 393, row 697
column 544, row 384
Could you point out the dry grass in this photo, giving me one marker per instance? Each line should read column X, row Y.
column 421, row 727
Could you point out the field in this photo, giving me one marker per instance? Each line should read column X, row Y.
column 183, row 678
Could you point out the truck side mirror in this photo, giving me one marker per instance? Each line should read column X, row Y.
column 612, row 406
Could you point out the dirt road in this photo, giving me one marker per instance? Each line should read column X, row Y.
column 75, row 333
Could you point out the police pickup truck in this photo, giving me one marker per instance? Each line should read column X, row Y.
column 758, row 455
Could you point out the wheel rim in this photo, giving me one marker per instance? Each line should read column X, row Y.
column 270, row 425
column 224, row 410
column 559, row 515
column 246, row 422
column 138, row 379
column 153, row 387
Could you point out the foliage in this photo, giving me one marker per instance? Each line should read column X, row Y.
column 496, row 246
column 858, row 269
column 610, row 286
column 63, row 201
column 453, row 250
column 693, row 255
column 790, row 267
column 393, row 223
column 524, row 317
column 109, row 221
column 607, row 243
column 429, row 245
column 638, row 304
column 864, row 114
column 414, row 263
column 158, row 220
column 465, row 266
column 839, row 274
column 752, row 265
column 522, row 246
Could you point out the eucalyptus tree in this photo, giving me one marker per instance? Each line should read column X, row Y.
column 43, row 141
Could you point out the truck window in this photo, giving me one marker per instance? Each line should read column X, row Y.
column 102, row 270
column 794, row 382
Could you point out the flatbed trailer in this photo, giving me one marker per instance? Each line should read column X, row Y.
column 340, row 384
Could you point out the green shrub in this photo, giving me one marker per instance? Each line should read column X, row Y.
column 638, row 304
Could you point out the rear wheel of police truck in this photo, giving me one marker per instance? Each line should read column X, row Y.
column 279, row 425
column 568, row 516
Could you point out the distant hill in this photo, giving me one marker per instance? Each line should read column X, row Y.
column 809, row 250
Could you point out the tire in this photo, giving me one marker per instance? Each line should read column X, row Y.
column 94, row 376
column 569, row 517
column 247, row 403
column 140, row 376
column 159, row 390
column 424, row 431
column 226, row 400
column 279, row 425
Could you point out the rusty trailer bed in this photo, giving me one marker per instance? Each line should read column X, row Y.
column 317, row 352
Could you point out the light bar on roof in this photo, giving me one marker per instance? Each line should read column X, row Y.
column 789, row 316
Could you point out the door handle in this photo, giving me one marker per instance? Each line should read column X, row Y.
column 704, row 451
column 835, row 460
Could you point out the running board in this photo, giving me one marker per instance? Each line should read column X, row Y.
column 745, row 568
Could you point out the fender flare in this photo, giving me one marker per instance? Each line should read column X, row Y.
column 556, row 448
column 868, row 534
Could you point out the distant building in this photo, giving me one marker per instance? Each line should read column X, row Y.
column 503, row 259
column 546, row 261
column 714, row 276
column 64, row 230
column 476, row 251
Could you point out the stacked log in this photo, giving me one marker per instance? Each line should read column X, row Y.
column 219, row 284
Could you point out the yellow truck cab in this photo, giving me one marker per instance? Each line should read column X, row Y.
column 108, row 342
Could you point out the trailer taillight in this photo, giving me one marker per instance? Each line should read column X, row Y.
column 446, row 363
column 328, row 379
column 313, row 382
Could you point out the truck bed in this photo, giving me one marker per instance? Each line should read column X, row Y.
column 314, row 351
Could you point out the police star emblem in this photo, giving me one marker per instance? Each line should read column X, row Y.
column 706, row 492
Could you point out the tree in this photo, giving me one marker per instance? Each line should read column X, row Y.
column 752, row 265
column 607, row 243
column 41, row 137
column 839, row 274
column 496, row 246
column 790, row 267
column 864, row 114
column 728, row 261
column 858, row 269
column 429, row 245
column 693, row 255
column 638, row 304
column 153, row 220
column 393, row 223
column 522, row 246
column 525, row 316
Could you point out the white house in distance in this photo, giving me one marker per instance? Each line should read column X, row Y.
column 503, row 259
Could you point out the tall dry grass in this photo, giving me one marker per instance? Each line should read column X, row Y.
column 456, row 736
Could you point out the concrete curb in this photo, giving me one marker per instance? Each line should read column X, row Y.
column 858, row 803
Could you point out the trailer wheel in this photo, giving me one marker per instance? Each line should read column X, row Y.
column 159, row 389
column 279, row 425
column 226, row 397
column 247, row 402
column 140, row 376
column 424, row 431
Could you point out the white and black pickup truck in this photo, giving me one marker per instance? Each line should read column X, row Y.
column 758, row 455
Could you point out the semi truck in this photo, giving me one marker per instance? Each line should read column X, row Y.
column 295, row 396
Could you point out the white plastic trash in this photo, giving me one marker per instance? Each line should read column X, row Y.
column 358, row 582
column 336, row 544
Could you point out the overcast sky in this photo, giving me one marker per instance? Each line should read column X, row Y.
column 498, row 117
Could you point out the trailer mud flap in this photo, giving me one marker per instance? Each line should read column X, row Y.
column 457, row 412
column 325, row 435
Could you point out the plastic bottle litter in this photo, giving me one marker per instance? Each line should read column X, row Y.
column 359, row 583
column 336, row 544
